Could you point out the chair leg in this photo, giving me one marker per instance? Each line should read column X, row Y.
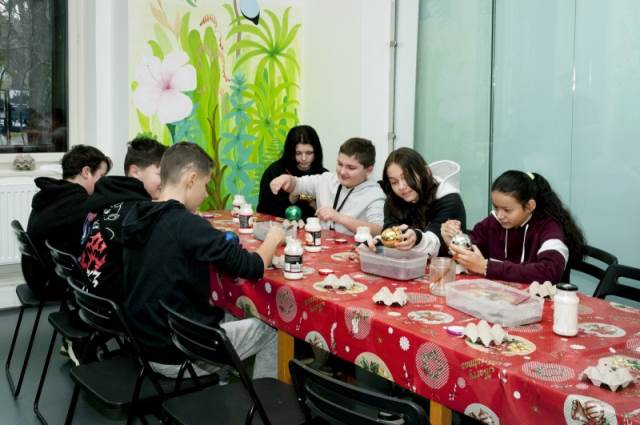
column 72, row 405
column 16, row 391
column 36, row 410
column 7, row 365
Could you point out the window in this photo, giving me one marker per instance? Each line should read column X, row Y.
column 33, row 76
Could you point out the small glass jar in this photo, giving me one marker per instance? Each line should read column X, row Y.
column 293, row 259
column 565, row 310
column 441, row 271
column 245, row 218
column 313, row 235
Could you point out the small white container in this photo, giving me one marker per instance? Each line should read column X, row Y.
column 565, row 310
column 236, row 204
column 245, row 218
column 293, row 259
column 313, row 235
column 363, row 234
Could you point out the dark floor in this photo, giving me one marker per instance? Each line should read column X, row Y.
column 58, row 387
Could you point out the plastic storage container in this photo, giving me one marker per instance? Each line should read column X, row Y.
column 392, row 263
column 261, row 228
column 494, row 302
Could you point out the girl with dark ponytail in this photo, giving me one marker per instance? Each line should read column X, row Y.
column 529, row 236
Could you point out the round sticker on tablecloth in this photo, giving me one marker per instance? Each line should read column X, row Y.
column 624, row 307
column 603, row 330
column 286, row 303
column 373, row 364
column 583, row 410
column 345, row 257
column 419, row 298
column 246, row 305
column 432, row 365
column 316, row 339
column 482, row 413
column 633, row 344
column 512, row 346
column 357, row 288
column 619, row 361
column 527, row 329
column 430, row 317
column 551, row 372
column 358, row 321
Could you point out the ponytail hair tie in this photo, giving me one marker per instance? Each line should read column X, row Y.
column 531, row 175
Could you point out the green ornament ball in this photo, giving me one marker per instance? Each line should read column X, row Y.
column 293, row 213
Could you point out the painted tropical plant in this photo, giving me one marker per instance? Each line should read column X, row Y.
column 232, row 90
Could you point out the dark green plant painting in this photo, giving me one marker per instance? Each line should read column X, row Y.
column 224, row 75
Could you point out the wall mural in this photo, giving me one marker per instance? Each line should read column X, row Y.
column 224, row 75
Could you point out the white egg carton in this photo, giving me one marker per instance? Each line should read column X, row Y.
column 544, row 290
column 484, row 334
column 343, row 283
column 607, row 376
column 385, row 296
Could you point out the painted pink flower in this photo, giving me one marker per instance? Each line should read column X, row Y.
column 161, row 85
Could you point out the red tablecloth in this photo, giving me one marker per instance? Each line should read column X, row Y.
column 532, row 380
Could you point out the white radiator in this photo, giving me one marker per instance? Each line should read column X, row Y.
column 15, row 204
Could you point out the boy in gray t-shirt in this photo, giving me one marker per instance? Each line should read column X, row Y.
column 347, row 198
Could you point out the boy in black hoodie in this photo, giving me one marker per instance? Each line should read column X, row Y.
column 169, row 254
column 58, row 212
column 108, row 205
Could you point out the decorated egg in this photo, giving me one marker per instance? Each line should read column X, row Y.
column 461, row 240
column 293, row 213
column 390, row 235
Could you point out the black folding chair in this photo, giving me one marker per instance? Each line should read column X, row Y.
column 125, row 382
column 340, row 403
column 610, row 285
column 594, row 263
column 235, row 403
column 28, row 299
column 65, row 322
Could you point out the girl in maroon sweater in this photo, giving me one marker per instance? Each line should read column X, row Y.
column 529, row 236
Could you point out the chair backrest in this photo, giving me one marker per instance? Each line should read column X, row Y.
column 448, row 172
column 25, row 245
column 588, row 266
column 610, row 285
column 343, row 404
column 210, row 344
column 106, row 316
column 67, row 266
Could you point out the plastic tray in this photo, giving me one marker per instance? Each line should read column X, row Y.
column 261, row 228
column 494, row 302
column 392, row 263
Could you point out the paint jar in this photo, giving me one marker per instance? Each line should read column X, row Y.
column 565, row 310
column 245, row 218
column 313, row 235
column 236, row 204
column 293, row 259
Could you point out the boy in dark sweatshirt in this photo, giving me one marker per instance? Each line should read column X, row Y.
column 108, row 205
column 58, row 212
column 169, row 254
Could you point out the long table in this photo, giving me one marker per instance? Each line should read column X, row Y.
column 533, row 378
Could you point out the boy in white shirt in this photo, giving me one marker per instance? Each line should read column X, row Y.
column 347, row 198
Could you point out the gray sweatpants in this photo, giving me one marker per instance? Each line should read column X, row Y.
column 249, row 337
